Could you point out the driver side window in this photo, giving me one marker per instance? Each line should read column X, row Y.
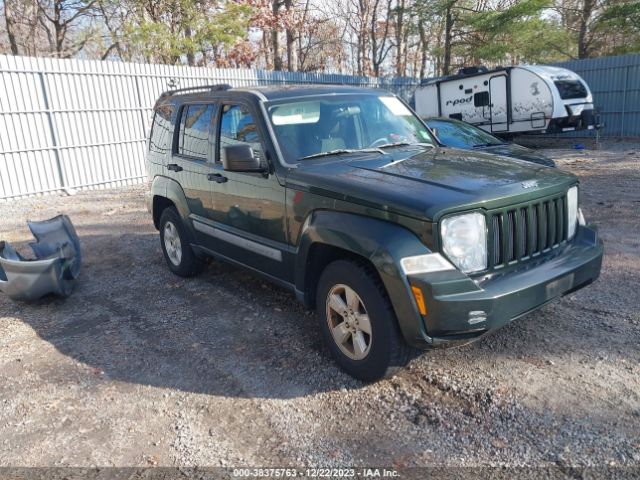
column 237, row 126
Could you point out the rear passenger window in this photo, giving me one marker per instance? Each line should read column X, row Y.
column 160, row 141
column 237, row 126
column 193, row 137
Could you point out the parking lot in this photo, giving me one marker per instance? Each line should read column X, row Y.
column 142, row 368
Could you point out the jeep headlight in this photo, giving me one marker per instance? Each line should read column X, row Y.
column 464, row 241
column 572, row 212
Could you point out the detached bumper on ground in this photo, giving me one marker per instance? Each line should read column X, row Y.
column 55, row 268
column 459, row 309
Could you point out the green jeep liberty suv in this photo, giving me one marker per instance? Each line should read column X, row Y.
column 344, row 196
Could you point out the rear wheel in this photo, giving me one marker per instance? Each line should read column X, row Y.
column 176, row 247
column 358, row 323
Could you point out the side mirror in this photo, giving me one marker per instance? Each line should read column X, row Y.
column 240, row 158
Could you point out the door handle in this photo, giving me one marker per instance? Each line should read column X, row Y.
column 175, row 167
column 217, row 177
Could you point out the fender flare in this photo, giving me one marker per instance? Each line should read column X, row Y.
column 170, row 189
column 382, row 243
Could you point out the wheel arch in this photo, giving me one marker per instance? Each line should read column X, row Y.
column 166, row 192
column 328, row 235
column 318, row 257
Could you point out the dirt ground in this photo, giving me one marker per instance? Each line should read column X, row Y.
column 141, row 368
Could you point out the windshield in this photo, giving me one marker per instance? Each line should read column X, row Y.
column 570, row 89
column 332, row 123
column 461, row 135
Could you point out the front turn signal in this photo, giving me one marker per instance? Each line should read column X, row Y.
column 417, row 294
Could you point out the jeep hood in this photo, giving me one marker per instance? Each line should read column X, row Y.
column 428, row 182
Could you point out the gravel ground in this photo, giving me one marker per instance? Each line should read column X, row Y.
column 141, row 368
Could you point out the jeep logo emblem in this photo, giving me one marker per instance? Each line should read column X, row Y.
column 529, row 184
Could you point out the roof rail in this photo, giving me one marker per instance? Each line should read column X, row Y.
column 210, row 88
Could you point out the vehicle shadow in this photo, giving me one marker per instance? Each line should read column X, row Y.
column 226, row 332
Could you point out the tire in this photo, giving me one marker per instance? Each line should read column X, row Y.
column 384, row 350
column 176, row 247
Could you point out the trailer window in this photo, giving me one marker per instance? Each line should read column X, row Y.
column 570, row 89
column 481, row 99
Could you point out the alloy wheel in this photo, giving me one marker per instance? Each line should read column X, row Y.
column 172, row 243
column 349, row 322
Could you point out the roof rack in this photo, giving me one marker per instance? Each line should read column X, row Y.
column 209, row 88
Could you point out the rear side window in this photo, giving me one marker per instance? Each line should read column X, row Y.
column 570, row 89
column 160, row 141
column 195, row 126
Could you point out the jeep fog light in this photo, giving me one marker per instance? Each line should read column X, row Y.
column 464, row 240
column 572, row 212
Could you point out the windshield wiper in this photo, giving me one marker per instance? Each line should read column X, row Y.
column 480, row 145
column 404, row 144
column 342, row 150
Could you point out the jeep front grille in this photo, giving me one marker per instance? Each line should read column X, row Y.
column 524, row 232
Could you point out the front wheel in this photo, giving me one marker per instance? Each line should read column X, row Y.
column 358, row 322
column 176, row 247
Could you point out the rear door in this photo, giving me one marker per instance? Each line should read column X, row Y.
column 499, row 104
column 192, row 159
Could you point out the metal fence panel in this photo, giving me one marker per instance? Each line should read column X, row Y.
column 67, row 125
column 615, row 83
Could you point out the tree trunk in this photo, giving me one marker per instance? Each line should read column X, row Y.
column 423, row 49
column 374, row 40
column 275, row 46
column 59, row 27
column 448, row 27
column 292, row 61
column 363, row 38
column 275, row 36
column 191, row 58
column 267, row 51
column 8, row 15
column 292, row 57
column 585, row 15
column 401, row 67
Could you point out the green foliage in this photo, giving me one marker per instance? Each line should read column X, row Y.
column 624, row 19
column 185, row 28
column 517, row 32
column 421, row 37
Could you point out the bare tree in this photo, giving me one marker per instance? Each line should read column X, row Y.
column 380, row 46
column 62, row 18
column 10, row 25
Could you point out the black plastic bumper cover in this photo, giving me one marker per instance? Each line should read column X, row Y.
column 55, row 268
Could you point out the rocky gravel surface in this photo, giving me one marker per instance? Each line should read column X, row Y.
column 142, row 368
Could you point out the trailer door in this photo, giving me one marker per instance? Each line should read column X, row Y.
column 498, row 106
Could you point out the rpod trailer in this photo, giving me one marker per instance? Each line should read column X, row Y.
column 527, row 98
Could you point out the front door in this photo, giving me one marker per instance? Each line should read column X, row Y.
column 248, row 208
column 499, row 105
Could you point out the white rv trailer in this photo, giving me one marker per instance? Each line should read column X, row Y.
column 527, row 98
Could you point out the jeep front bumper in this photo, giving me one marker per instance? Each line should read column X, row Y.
column 460, row 309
